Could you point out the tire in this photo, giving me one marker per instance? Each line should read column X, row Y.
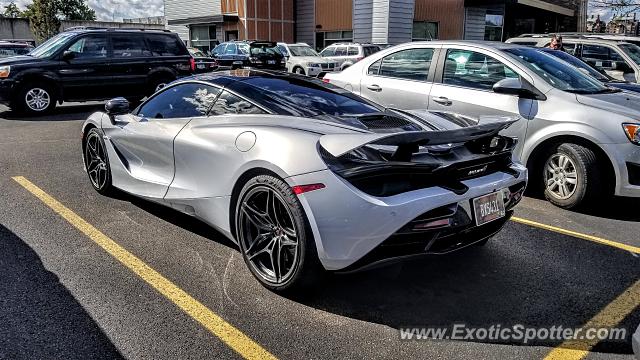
column 35, row 98
column 298, row 70
column 269, row 217
column 157, row 83
column 96, row 162
column 570, row 176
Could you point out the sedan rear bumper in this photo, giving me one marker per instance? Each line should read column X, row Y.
column 348, row 224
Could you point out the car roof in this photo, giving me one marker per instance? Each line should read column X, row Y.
column 478, row 43
column 84, row 29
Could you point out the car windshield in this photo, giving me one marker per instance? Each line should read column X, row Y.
column 302, row 51
column 633, row 51
column 557, row 73
column 197, row 53
column 306, row 98
column 52, row 45
column 577, row 63
column 264, row 48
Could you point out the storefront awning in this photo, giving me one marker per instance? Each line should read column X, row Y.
column 204, row 19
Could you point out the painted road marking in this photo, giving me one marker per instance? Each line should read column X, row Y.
column 226, row 332
column 609, row 317
column 633, row 249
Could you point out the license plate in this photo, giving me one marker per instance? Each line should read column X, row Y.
column 271, row 62
column 237, row 63
column 200, row 66
column 488, row 208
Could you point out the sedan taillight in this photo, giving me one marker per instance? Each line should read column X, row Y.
column 192, row 63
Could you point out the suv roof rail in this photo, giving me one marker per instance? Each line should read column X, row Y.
column 75, row 28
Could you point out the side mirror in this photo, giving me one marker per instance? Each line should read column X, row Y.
column 518, row 88
column 68, row 55
column 117, row 106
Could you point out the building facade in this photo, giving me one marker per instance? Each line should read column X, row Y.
column 319, row 23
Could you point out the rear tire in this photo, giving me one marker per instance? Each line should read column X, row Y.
column 274, row 236
column 571, row 177
column 96, row 162
column 35, row 98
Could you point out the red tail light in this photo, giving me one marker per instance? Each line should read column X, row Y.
column 300, row 189
column 192, row 62
column 325, row 80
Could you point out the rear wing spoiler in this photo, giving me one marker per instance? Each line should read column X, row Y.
column 340, row 144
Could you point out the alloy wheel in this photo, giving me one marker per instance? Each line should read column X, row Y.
column 560, row 176
column 37, row 99
column 268, row 235
column 95, row 159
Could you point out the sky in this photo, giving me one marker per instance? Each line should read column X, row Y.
column 108, row 10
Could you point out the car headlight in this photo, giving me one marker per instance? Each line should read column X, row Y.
column 5, row 71
column 633, row 132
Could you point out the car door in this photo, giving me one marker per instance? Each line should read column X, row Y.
column 129, row 64
column 464, row 85
column 84, row 69
column 400, row 79
column 143, row 141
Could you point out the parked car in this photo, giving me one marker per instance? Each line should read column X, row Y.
column 9, row 48
column 303, row 60
column 204, row 63
column 620, row 60
column 578, row 137
column 347, row 54
column 590, row 70
column 85, row 64
column 256, row 54
column 303, row 171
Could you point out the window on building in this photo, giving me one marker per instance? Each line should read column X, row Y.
column 474, row 70
column 203, row 37
column 493, row 26
column 332, row 37
column 424, row 31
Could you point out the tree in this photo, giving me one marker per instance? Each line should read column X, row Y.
column 11, row 10
column 45, row 15
column 618, row 7
column 75, row 10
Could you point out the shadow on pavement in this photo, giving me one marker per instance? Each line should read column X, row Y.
column 39, row 317
column 61, row 113
column 523, row 276
column 617, row 207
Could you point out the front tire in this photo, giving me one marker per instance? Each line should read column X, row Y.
column 96, row 162
column 274, row 236
column 571, row 176
column 35, row 98
column 298, row 70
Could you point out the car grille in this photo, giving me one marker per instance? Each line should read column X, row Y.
column 327, row 66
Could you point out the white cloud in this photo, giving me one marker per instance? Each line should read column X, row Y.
column 107, row 10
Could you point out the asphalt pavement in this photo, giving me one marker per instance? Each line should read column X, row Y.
column 64, row 297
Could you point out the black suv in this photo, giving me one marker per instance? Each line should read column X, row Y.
column 85, row 64
column 256, row 54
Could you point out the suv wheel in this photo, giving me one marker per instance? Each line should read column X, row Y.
column 35, row 98
column 298, row 70
column 570, row 175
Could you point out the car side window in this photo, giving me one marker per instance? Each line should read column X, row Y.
column 330, row 51
column 595, row 52
column 129, row 46
column 90, row 47
column 229, row 103
column 219, row 50
column 374, row 68
column 180, row 101
column 353, row 51
column 283, row 50
column 165, row 45
column 231, row 49
column 341, row 51
column 569, row 48
column 410, row 64
column 474, row 70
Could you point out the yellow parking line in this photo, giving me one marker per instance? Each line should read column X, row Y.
column 609, row 317
column 633, row 249
column 226, row 332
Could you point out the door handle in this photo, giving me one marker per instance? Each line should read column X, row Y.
column 374, row 87
column 442, row 100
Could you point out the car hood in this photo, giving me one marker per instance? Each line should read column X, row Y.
column 623, row 103
column 312, row 59
column 625, row 86
column 21, row 59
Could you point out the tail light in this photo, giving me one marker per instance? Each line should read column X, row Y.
column 192, row 63
column 325, row 80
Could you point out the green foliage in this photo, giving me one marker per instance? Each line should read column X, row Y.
column 45, row 15
column 11, row 11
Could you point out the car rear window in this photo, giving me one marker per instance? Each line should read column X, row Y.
column 125, row 45
column 165, row 45
column 369, row 50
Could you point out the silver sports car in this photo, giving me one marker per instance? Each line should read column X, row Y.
column 306, row 177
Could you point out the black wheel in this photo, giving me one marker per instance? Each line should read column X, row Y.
column 274, row 236
column 571, row 176
column 298, row 70
column 35, row 98
column 96, row 162
column 157, row 83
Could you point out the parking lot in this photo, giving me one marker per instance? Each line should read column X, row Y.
column 86, row 276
